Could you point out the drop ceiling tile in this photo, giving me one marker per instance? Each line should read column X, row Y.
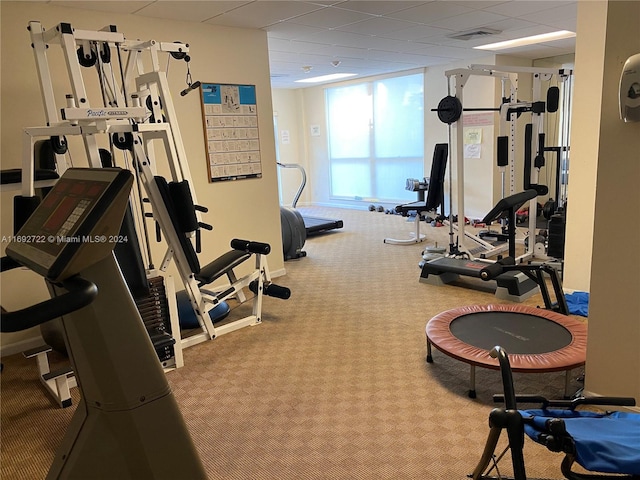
column 377, row 7
column 115, row 6
column 335, row 37
column 313, row 48
column 567, row 10
column 480, row 4
column 467, row 21
column 259, row 14
column 291, row 30
column 330, row 17
column 417, row 32
column 376, row 26
column 527, row 7
column 428, row 13
column 510, row 24
column 189, row 11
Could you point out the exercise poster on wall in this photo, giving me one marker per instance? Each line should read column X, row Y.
column 231, row 130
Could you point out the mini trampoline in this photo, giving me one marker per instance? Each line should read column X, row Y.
column 537, row 340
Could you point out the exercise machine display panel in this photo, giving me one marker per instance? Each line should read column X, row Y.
column 71, row 217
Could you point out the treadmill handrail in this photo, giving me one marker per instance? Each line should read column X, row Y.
column 303, row 183
column 80, row 293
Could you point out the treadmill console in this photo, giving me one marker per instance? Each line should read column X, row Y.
column 77, row 224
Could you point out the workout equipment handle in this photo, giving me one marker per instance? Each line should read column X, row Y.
column 507, row 378
column 80, row 293
column 191, row 87
column 492, row 271
column 572, row 404
column 251, row 247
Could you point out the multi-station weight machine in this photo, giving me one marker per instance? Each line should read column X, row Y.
column 133, row 124
column 450, row 111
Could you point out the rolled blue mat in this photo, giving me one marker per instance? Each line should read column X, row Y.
column 578, row 303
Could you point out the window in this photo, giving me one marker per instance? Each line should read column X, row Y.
column 376, row 138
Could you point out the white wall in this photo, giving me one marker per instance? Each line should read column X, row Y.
column 307, row 108
column 299, row 109
column 605, row 171
column 289, row 118
column 244, row 209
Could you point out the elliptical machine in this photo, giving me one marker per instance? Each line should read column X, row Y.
column 127, row 424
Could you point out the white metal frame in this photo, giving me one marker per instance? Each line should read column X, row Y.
column 506, row 73
column 122, row 111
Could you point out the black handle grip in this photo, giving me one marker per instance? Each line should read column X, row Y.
column 499, row 398
column 8, row 263
column 206, row 226
column 573, row 403
column 608, row 401
column 507, row 377
column 251, row 247
column 553, row 97
column 191, row 87
column 80, row 293
column 200, row 208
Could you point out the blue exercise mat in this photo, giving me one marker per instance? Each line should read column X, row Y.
column 606, row 443
column 578, row 303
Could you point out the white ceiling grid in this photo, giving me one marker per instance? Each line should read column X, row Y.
column 368, row 37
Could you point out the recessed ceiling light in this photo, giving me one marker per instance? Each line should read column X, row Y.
column 520, row 42
column 324, row 78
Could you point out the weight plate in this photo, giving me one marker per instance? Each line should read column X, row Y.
column 449, row 109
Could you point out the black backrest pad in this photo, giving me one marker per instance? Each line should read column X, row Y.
column 183, row 202
column 185, row 243
column 129, row 256
column 435, row 195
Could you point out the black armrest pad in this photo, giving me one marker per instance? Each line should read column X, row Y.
column 221, row 265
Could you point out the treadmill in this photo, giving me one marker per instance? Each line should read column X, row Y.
column 312, row 225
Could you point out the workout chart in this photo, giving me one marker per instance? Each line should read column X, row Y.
column 230, row 118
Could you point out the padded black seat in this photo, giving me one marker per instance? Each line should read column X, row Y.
column 419, row 206
column 14, row 175
column 220, row 266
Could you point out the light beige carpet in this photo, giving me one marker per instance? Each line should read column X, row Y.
column 332, row 385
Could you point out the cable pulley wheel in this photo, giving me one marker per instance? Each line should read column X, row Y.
column 105, row 52
column 59, row 144
column 149, row 103
column 178, row 55
column 87, row 59
column 449, row 109
column 123, row 141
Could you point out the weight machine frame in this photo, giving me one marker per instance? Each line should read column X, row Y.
column 123, row 118
column 506, row 74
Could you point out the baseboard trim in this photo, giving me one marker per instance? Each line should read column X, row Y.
column 20, row 346
column 278, row 273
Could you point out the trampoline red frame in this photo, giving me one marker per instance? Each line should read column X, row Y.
column 567, row 358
